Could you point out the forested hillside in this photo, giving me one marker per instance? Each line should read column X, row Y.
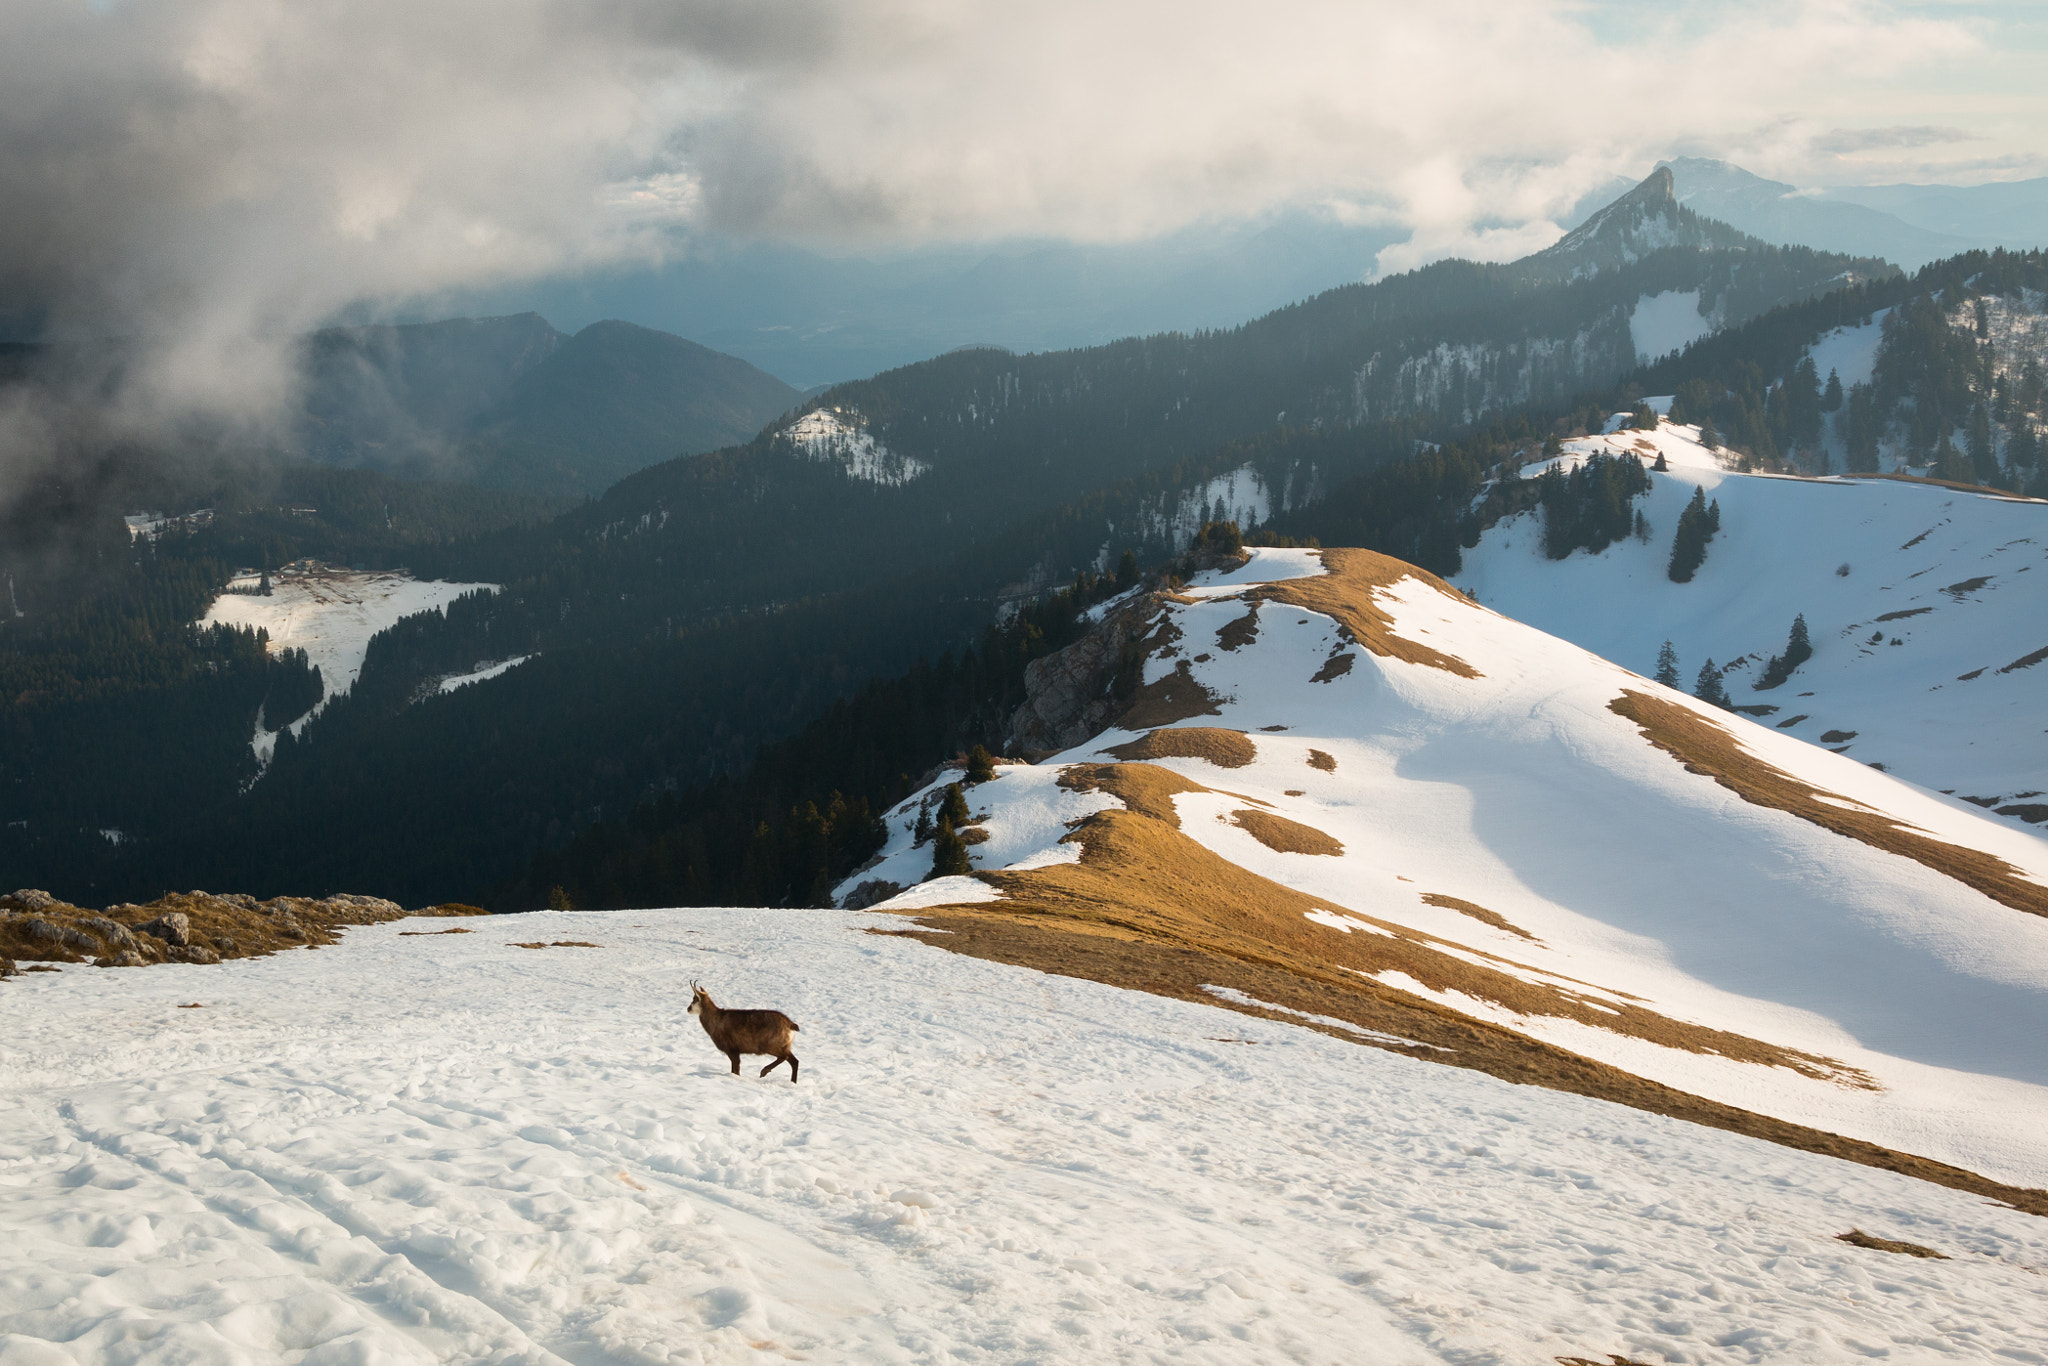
column 710, row 606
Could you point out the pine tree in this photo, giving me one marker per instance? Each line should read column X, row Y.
column 981, row 765
column 924, row 826
column 949, row 854
column 1667, row 666
column 1709, row 688
column 1710, row 437
column 953, row 808
column 1552, row 446
column 1696, row 526
column 1798, row 649
column 1951, row 464
column 1831, row 397
column 1983, row 454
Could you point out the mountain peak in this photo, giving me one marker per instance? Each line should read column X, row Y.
column 1648, row 218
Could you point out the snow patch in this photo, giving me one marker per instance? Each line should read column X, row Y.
column 1667, row 322
column 830, row 436
column 454, row 681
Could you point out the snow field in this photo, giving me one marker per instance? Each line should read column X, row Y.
column 442, row 1148
column 1911, row 549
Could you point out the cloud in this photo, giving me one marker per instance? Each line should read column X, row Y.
column 201, row 174
column 1849, row 140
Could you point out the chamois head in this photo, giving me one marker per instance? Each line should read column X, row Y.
column 697, row 999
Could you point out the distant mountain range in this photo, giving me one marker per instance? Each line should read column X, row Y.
column 1908, row 225
column 514, row 403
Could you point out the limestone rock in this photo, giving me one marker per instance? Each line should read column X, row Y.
column 112, row 933
column 1067, row 693
column 173, row 927
column 27, row 899
column 40, row 931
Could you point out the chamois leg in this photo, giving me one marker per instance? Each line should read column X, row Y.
column 735, row 1063
column 792, row 1068
column 771, row 1066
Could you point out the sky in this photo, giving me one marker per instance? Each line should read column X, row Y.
column 220, row 171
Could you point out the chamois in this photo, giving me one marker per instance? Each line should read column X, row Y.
column 734, row 1032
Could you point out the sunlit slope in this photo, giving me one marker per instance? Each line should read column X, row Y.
column 1341, row 769
column 1927, row 607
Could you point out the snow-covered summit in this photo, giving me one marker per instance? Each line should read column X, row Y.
column 1361, row 776
column 830, row 436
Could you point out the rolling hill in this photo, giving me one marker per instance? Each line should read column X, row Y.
column 1342, row 790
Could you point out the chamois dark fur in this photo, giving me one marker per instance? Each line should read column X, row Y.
column 734, row 1032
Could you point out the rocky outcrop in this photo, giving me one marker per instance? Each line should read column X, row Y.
column 184, row 927
column 1069, row 695
column 173, row 927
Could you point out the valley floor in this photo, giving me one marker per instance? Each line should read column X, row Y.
column 427, row 1144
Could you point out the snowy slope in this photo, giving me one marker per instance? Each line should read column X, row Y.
column 442, row 1148
column 1519, row 793
column 1956, row 579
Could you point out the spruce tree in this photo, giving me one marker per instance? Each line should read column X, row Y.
column 1831, row 397
column 1710, row 437
column 1708, row 687
column 924, row 828
column 1983, row 453
column 953, row 809
column 949, row 854
column 1798, row 649
column 1667, row 666
column 1696, row 526
column 1126, row 571
column 981, row 765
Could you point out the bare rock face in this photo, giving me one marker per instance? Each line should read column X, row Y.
column 1067, row 693
column 127, row 958
column 40, row 931
column 872, row 892
column 27, row 899
column 173, row 927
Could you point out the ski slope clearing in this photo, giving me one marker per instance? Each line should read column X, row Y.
column 423, row 1147
column 1363, row 788
column 1920, row 647
column 331, row 615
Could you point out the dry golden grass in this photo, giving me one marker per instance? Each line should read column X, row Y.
column 1176, row 697
column 1240, row 633
column 1710, row 750
column 408, row 934
column 1319, row 760
column 1335, row 667
column 1223, row 748
column 219, row 927
column 1858, row 1238
column 974, row 834
column 1479, row 913
column 1284, row 836
column 556, row 944
column 1345, row 593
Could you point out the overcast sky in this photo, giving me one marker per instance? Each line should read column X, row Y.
column 222, row 167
